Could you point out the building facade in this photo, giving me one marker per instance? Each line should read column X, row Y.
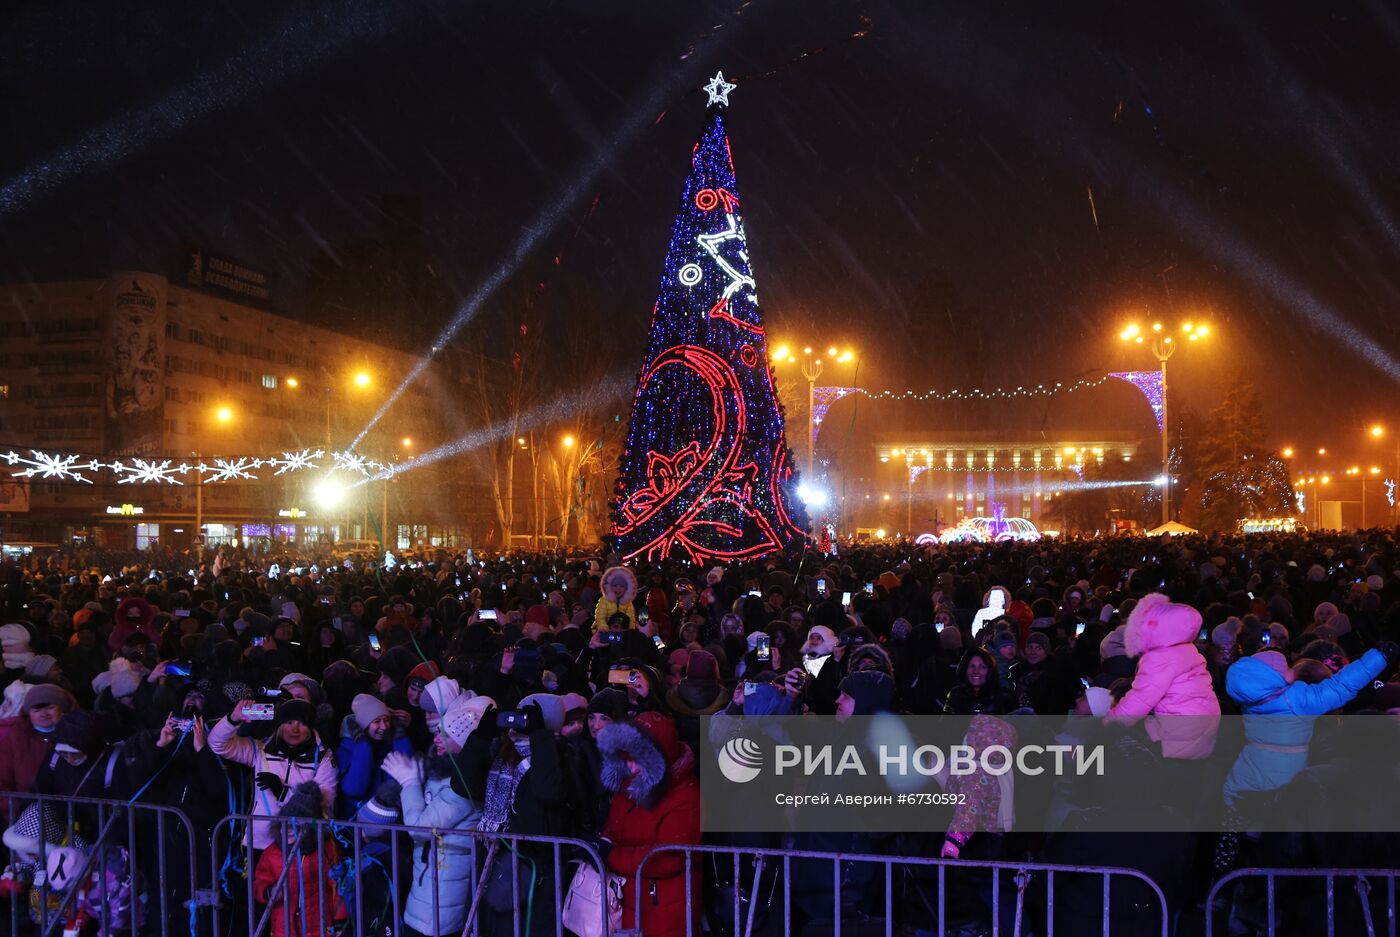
column 134, row 366
column 928, row 480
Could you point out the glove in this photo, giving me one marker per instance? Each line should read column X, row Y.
column 487, row 727
column 1391, row 651
column 400, row 767
column 534, row 717
column 267, row 781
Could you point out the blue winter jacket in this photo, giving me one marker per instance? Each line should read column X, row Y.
column 444, row 856
column 1279, row 717
column 358, row 765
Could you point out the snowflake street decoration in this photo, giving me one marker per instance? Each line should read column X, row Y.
column 295, row 461
column 1390, row 491
column 50, row 465
column 229, row 469
column 354, row 462
column 143, row 472
column 159, row 470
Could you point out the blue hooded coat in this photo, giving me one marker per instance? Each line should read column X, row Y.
column 1279, row 716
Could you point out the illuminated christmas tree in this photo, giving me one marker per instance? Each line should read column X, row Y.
column 707, row 474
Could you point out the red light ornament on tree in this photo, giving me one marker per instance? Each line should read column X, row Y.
column 707, row 474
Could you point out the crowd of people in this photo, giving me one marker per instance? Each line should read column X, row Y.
column 548, row 696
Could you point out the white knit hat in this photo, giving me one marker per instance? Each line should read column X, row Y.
column 367, row 709
column 463, row 716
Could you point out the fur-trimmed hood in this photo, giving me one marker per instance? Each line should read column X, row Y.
column 619, row 572
column 646, row 740
column 1157, row 622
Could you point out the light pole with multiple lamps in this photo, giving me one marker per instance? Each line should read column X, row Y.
column 1163, row 346
column 811, row 369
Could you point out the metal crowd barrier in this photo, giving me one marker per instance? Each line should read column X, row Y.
column 1034, row 882
column 1302, row 917
column 157, row 898
column 366, row 850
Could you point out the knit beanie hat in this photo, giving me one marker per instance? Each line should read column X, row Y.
column 872, row 690
column 1323, row 612
column 439, row 695
column 1275, row 662
column 1113, row 644
column 40, row 665
column 294, row 710
column 397, row 663
column 1003, row 639
column 12, row 699
column 79, row 733
column 702, row 666
column 425, row 673
column 1375, row 583
column 64, row 864
column 304, row 802
column 463, row 716
column 1227, row 633
column 551, row 706
column 14, row 644
column 609, row 702
column 1278, row 635
column 537, row 615
column 1039, row 640
column 366, row 709
column 950, row 638
column 574, row 702
column 48, row 694
column 1340, row 624
column 291, row 678
column 124, row 683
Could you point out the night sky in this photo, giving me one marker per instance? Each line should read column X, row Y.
column 900, row 161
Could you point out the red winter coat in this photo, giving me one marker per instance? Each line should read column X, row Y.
column 301, row 895
column 634, row 831
column 22, row 753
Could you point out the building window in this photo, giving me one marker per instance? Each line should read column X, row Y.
column 4, row 391
column 269, row 381
column 147, row 536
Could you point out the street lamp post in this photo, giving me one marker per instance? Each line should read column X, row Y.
column 1163, row 346
column 811, row 370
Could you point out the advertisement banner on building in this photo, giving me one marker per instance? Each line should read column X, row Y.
column 135, row 405
column 216, row 274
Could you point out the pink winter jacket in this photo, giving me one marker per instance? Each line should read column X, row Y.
column 1172, row 688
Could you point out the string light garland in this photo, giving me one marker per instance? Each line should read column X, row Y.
column 160, row 470
column 706, row 474
column 1143, row 380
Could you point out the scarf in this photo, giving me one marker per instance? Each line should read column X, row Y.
column 501, row 784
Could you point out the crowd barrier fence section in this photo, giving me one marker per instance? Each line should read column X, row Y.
column 501, row 883
column 70, row 858
column 1015, row 897
column 1314, row 900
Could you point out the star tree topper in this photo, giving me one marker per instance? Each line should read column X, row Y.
column 719, row 89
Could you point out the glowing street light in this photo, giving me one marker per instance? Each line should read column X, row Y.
column 568, row 442
column 407, row 442
column 1163, row 347
column 811, row 370
column 224, row 414
column 1377, row 431
column 362, row 379
column 292, row 383
column 1287, row 452
column 328, row 493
